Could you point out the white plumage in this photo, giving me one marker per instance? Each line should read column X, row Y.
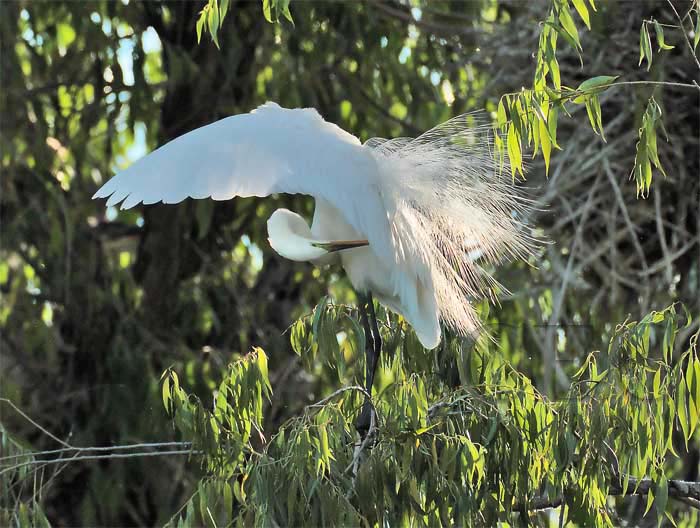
column 414, row 212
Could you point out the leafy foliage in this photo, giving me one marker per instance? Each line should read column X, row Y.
column 212, row 15
column 477, row 454
column 95, row 304
column 530, row 116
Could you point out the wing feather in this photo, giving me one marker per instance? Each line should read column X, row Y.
column 269, row 150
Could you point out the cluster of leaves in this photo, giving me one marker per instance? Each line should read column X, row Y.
column 490, row 448
column 529, row 117
column 212, row 15
column 647, row 153
column 236, row 411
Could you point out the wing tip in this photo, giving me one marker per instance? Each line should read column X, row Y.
column 101, row 193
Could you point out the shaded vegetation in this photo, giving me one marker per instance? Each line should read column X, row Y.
column 97, row 304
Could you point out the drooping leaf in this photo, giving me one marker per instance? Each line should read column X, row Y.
column 569, row 26
column 645, row 51
column 582, row 10
column 660, row 37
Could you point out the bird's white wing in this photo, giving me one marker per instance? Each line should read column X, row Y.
column 269, row 150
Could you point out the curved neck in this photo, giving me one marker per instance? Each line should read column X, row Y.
column 289, row 235
column 294, row 247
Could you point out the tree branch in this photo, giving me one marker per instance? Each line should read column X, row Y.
column 682, row 490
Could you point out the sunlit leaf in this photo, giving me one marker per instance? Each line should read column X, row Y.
column 267, row 10
column 660, row 37
column 546, row 144
column 213, row 21
column 661, row 498
column 514, row 151
column 569, row 26
column 682, row 409
column 582, row 10
column 645, row 51
column 201, row 21
column 166, row 394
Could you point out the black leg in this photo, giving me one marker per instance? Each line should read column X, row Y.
column 373, row 344
column 376, row 339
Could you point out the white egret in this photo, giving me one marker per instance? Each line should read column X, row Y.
column 408, row 219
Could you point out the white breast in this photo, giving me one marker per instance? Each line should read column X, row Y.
column 395, row 287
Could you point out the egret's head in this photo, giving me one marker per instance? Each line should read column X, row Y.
column 290, row 236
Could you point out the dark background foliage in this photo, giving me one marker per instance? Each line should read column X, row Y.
column 95, row 304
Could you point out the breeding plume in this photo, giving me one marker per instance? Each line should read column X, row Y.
column 410, row 220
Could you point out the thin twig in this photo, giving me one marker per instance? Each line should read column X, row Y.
column 101, row 457
column 325, row 400
column 155, row 445
column 685, row 35
column 42, row 429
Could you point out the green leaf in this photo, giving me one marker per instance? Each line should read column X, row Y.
column 595, row 85
column 657, row 384
column 267, row 10
column 203, row 500
column 582, row 11
column 357, row 340
column 283, row 6
column 200, row 23
column 223, row 9
column 645, row 46
column 660, row 37
column 552, row 118
column 559, row 30
column 650, row 136
column 213, row 22
column 554, row 73
column 696, row 38
column 567, row 22
column 325, row 449
column 514, row 151
column 661, row 499
column 501, row 117
column 690, row 382
column 261, row 362
column 682, row 409
column 166, row 394
column 318, row 312
column 228, row 494
column 594, row 115
column 646, row 148
column 650, row 502
column 546, row 144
